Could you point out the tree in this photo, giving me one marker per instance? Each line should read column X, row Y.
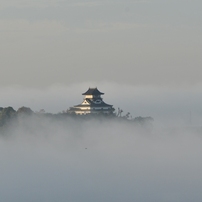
column 24, row 110
column 7, row 114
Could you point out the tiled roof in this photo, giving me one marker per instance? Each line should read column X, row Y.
column 72, row 109
column 93, row 91
column 92, row 104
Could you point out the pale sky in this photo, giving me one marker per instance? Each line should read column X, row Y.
column 139, row 42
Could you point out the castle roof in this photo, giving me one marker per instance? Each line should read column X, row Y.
column 93, row 91
column 73, row 109
column 92, row 104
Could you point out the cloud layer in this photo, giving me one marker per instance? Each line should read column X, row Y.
column 99, row 161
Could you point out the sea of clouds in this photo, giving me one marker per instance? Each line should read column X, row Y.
column 111, row 161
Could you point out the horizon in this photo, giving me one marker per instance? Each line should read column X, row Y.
column 165, row 105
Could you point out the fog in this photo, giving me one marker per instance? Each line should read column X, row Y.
column 103, row 160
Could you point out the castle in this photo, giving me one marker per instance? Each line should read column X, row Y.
column 92, row 104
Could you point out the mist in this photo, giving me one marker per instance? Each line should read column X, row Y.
column 103, row 160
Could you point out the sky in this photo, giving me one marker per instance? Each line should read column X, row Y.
column 140, row 42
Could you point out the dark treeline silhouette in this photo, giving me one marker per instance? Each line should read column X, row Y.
column 9, row 116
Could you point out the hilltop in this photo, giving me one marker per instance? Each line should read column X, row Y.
column 26, row 117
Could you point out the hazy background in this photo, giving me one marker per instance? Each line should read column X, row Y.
column 145, row 55
column 130, row 42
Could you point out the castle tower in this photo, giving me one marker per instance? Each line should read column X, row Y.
column 92, row 104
